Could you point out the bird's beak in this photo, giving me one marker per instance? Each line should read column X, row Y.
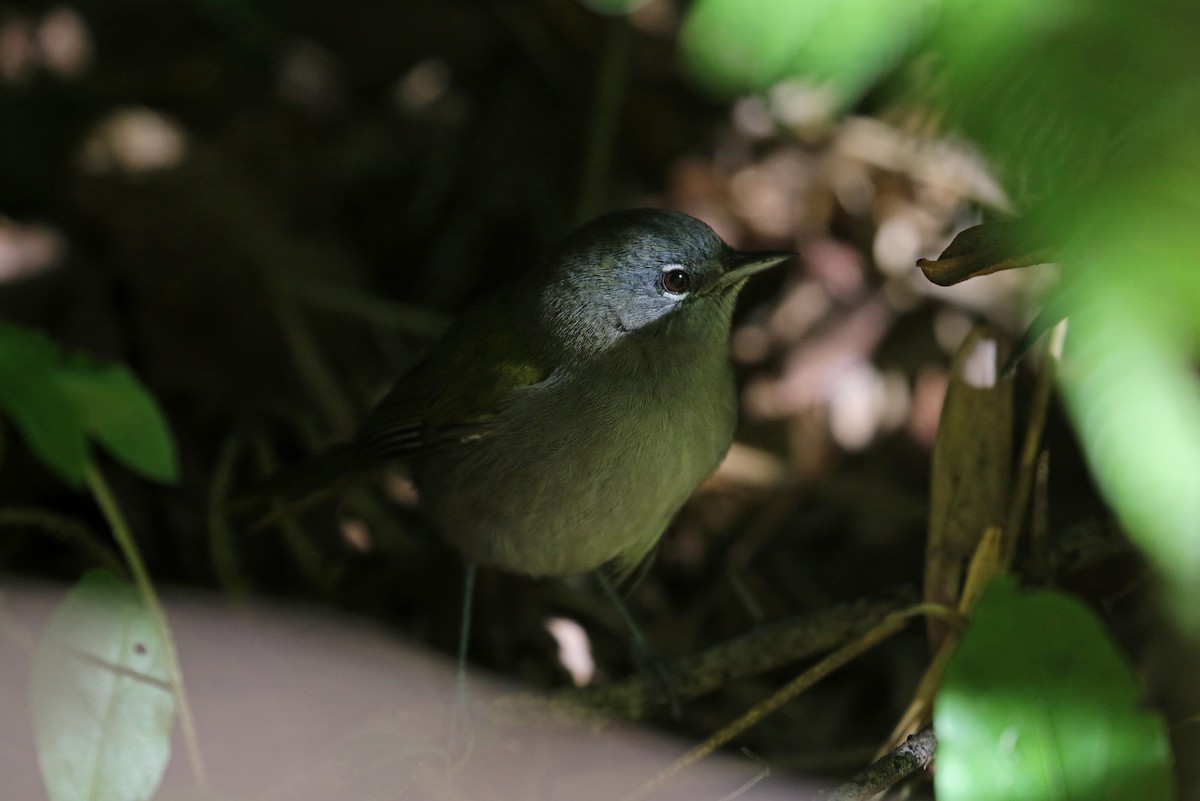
column 741, row 265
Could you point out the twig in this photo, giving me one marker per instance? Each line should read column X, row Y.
column 220, row 534
column 912, row 755
column 304, row 551
column 764, row 649
column 985, row 564
column 1039, row 526
column 764, row 770
column 141, row 579
column 1027, row 465
column 885, row 629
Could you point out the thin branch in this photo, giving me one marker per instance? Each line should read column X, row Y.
column 889, row 626
column 764, row 649
column 221, row 547
column 303, row 549
column 764, row 770
column 1027, row 465
column 141, row 579
column 912, row 755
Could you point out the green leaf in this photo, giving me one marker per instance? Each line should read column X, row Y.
column 1107, row 162
column 1104, row 161
column 58, row 401
column 733, row 46
column 1037, row 705
column 119, row 412
column 32, row 397
column 100, row 695
column 1132, row 290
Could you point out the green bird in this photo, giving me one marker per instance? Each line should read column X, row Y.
column 564, row 419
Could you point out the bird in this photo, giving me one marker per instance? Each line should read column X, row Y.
column 564, row 419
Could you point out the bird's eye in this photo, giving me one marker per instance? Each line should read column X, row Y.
column 676, row 281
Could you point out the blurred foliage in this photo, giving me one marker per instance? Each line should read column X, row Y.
column 59, row 402
column 1095, row 116
column 1089, row 113
column 1037, row 705
column 731, row 46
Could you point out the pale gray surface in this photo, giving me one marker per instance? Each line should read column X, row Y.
column 304, row 705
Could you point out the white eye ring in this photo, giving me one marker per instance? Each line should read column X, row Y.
column 676, row 281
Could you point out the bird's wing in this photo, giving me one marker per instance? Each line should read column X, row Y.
column 456, row 391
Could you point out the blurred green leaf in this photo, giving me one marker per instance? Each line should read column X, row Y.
column 57, row 401
column 1037, row 704
column 733, row 46
column 119, row 412
column 1107, row 161
column 101, row 702
column 1132, row 291
column 1090, row 115
column 1020, row 78
column 42, row 411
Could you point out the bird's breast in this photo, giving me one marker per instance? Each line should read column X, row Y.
column 581, row 469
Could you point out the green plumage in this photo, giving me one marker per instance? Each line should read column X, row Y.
column 563, row 420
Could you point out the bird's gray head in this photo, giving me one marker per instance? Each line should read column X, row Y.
column 627, row 271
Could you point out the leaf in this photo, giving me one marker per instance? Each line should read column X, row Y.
column 1104, row 161
column 981, row 250
column 118, row 410
column 38, row 406
column 57, row 401
column 101, row 702
column 733, row 46
column 1037, row 704
column 972, row 461
column 1132, row 293
column 1108, row 162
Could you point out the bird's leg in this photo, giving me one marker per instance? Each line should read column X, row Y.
column 464, row 631
column 460, row 715
column 653, row 667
